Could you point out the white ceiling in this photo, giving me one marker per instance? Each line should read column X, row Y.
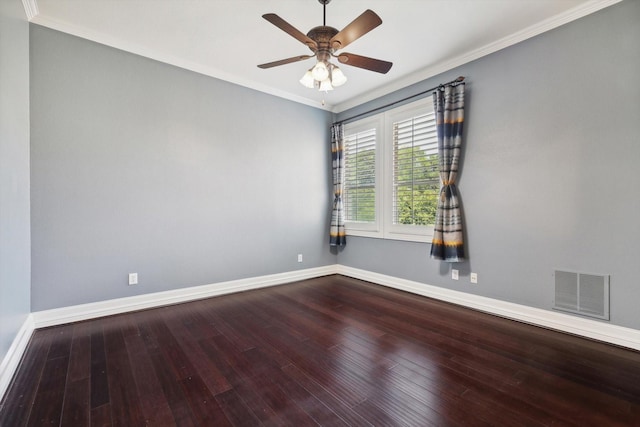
column 226, row 39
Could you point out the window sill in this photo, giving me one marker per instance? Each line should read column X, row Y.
column 418, row 238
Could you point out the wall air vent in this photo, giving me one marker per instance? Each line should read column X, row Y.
column 581, row 293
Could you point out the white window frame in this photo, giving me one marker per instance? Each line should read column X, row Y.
column 383, row 228
column 368, row 229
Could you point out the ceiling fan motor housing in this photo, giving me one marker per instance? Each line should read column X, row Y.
column 322, row 35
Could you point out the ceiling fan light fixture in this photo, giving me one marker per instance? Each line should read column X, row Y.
column 325, row 85
column 337, row 76
column 334, row 77
column 323, row 41
column 307, row 80
column 320, row 71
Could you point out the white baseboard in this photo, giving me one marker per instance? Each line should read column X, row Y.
column 597, row 330
column 59, row 316
column 617, row 335
column 76, row 313
column 12, row 359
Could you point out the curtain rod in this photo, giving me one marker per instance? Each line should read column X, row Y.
column 451, row 83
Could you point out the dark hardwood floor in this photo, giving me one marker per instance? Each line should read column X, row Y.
column 331, row 351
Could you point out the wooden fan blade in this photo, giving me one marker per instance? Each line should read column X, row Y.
column 291, row 30
column 285, row 61
column 356, row 29
column 365, row 62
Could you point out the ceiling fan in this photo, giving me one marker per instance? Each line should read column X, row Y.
column 324, row 41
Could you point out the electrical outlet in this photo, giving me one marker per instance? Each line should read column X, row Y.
column 299, row 257
column 133, row 279
column 473, row 277
column 454, row 274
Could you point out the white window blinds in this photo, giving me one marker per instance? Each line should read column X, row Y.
column 392, row 183
column 416, row 181
column 360, row 176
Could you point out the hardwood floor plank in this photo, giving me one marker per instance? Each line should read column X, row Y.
column 61, row 342
column 574, row 402
column 235, row 409
column 327, row 371
column 253, row 399
column 99, row 375
column 326, row 396
column 306, row 407
column 47, row 405
column 221, row 315
column 80, row 361
column 153, row 402
column 328, row 351
column 310, row 324
column 172, row 389
column 204, row 408
column 213, row 378
column 443, row 402
column 384, row 412
column 76, row 410
column 282, row 404
column 445, row 395
column 253, row 328
column 101, row 416
column 310, row 404
column 170, row 348
column 224, row 361
column 123, row 397
column 18, row 401
column 196, row 324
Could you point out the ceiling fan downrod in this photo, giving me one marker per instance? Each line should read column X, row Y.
column 324, row 4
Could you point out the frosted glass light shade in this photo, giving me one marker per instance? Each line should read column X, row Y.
column 337, row 77
column 320, row 71
column 323, row 76
column 307, row 80
column 325, row 85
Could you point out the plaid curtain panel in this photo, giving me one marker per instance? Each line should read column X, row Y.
column 447, row 244
column 337, row 235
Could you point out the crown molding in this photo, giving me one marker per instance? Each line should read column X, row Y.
column 587, row 8
column 30, row 8
column 444, row 66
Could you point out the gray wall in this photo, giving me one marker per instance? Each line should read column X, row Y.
column 550, row 175
column 14, row 172
column 138, row 166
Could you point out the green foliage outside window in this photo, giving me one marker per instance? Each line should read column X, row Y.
column 416, row 187
column 360, row 187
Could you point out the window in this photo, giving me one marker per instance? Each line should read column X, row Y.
column 361, row 187
column 392, row 182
